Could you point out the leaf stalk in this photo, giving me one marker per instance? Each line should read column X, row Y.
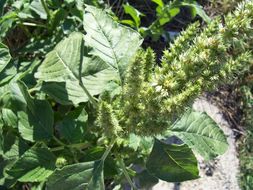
column 107, row 151
column 78, row 146
column 129, row 180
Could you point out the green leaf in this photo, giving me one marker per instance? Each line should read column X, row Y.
column 199, row 10
column 113, row 43
column 6, row 22
column 65, row 93
column 134, row 13
column 172, row 163
column 12, row 146
column 158, row 2
column 95, row 153
column 36, row 121
column 72, row 127
column 7, row 73
column 35, row 165
column 128, row 22
column 5, row 56
column 144, row 144
column 168, row 13
column 11, row 149
column 64, row 62
column 200, row 133
column 65, row 67
column 134, row 141
column 38, row 8
column 13, row 98
column 86, row 175
column 9, row 118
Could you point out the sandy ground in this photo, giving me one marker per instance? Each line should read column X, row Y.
column 219, row 174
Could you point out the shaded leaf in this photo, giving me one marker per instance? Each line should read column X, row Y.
column 7, row 73
column 12, row 147
column 73, row 127
column 172, row 163
column 6, row 22
column 145, row 180
column 2, row 3
column 5, row 56
column 86, row 175
column 35, row 165
column 36, row 121
column 199, row 10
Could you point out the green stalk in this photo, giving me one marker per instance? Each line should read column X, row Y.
column 59, row 141
column 78, row 146
column 107, row 151
column 91, row 98
column 123, row 166
column 33, row 24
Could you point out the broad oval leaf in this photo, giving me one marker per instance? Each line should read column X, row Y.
column 35, row 165
column 35, row 117
column 67, row 66
column 113, row 43
column 36, row 122
column 72, row 75
column 5, row 56
column 172, row 163
column 64, row 62
column 201, row 133
column 86, row 175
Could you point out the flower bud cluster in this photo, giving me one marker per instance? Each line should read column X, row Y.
column 149, row 63
column 197, row 61
column 219, row 54
column 107, row 120
column 181, row 43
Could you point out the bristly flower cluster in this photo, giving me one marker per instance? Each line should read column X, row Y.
column 197, row 61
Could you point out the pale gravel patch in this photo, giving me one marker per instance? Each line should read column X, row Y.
column 224, row 170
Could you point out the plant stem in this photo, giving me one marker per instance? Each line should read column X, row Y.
column 123, row 166
column 33, row 24
column 91, row 98
column 59, row 141
column 107, row 151
column 78, row 146
column 33, row 90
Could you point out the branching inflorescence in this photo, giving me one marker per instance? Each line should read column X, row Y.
column 197, row 61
